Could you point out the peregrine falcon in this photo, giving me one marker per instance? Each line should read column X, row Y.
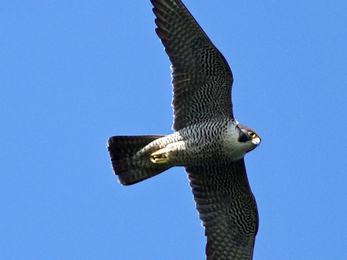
column 207, row 140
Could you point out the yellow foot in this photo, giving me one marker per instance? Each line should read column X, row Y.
column 160, row 156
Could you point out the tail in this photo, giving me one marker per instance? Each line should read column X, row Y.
column 130, row 168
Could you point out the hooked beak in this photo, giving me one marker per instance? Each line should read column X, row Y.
column 256, row 141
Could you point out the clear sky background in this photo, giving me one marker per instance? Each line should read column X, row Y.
column 73, row 73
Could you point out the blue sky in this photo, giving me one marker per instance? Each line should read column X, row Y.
column 74, row 73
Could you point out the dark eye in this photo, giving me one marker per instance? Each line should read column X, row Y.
column 243, row 137
column 252, row 134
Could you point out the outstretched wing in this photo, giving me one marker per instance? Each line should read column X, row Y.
column 201, row 76
column 227, row 209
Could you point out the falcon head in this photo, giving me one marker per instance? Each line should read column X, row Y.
column 248, row 136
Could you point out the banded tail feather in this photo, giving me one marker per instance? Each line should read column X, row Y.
column 130, row 167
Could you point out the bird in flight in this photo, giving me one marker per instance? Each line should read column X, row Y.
column 207, row 140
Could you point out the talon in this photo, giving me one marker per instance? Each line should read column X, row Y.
column 160, row 156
